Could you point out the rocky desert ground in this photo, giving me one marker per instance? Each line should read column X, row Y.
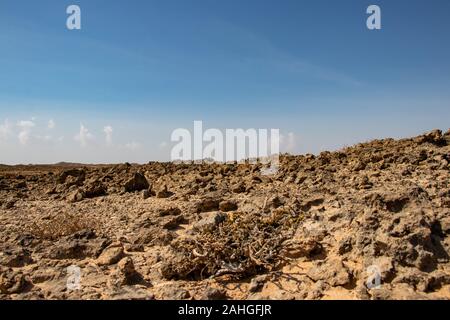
column 317, row 229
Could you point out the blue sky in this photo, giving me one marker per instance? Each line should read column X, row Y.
column 145, row 68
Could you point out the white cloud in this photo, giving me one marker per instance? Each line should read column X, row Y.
column 25, row 130
column 163, row 144
column 84, row 136
column 51, row 124
column 25, row 124
column 108, row 130
column 5, row 130
column 133, row 145
column 46, row 138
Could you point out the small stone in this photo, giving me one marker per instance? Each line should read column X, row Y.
column 134, row 247
column 257, row 283
column 361, row 292
column 51, row 191
column 171, row 211
column 210, row 221
column 137, row 183
column 76, row 196
column 164, row 193
column 275, row 202
column 208, row 204
column 345, row 245
column 127, row 271
column 214, row 294
column 131, row 293
column 12, row 282
column 173, row 292
column 110, row 256
column 15, row 257
column 172, row 222
column 79, row 176
column 317, row 290
column 227, row 206
column 94, row 189
column 303, row 247
column 332, row 272
column 148, row 193
column 381, row 294
column 238, row 188
column 40, row 276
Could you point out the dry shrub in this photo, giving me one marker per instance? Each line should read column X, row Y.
column 239, row 247
column 61, row 225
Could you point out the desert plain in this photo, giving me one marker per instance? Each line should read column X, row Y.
column 370, row 221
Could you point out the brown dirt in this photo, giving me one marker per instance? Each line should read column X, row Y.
column 214, row 231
